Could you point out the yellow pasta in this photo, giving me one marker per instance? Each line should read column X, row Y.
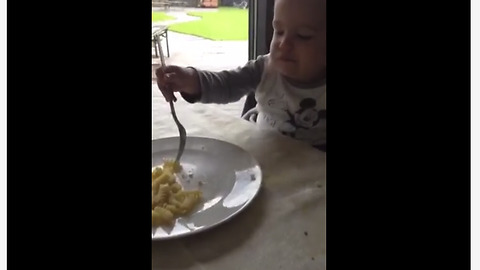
column 162, row 195
column 169, row 199
column 189, row 202
column 161, row 215
column 157, row 171
column 172, row 209
column 175, row 187
column 172, row 166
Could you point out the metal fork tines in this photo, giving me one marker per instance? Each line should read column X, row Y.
column 181, row 129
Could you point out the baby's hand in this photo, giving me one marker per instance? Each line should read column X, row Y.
column 172, row 79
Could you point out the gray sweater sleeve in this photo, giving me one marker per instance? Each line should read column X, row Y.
column 228, row 85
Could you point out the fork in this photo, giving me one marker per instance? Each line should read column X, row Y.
column 183, row 134
column 181, row 129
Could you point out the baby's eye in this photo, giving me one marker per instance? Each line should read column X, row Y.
column 278, row 32
column 304, row 37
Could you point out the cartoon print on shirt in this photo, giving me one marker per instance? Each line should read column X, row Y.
column 307, row 117
column 276, row 104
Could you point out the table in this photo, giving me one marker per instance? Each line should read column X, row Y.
column 161, row 3
column 178, row 3
column 283, row 227
column 158, row 33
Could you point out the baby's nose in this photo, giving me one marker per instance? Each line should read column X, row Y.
column 286, row 43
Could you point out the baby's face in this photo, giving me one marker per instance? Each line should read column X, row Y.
column 298, row 49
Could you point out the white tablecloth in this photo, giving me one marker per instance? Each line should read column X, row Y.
column 283, row 227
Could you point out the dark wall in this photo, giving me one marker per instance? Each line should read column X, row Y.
column 227, row 3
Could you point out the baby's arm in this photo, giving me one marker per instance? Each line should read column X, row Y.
column 228, row 85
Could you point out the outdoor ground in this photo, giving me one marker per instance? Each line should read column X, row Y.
column 188, row 50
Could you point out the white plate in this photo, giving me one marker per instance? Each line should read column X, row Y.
column 231, row 178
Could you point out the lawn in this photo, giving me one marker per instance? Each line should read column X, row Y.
column 224, row 24
column 161, row 16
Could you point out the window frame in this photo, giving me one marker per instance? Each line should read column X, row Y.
column 260, row 30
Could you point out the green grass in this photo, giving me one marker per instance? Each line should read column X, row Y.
column 224, row 24
column 161, row 16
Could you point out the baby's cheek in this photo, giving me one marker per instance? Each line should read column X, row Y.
column 311, row 54
column 313, row 64
column 273, row 47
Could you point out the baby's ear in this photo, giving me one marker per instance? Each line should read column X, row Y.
column 308, row 103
